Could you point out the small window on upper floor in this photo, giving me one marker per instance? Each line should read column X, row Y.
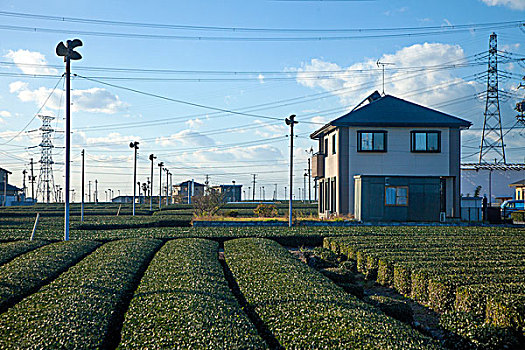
column 425, row 141
column 333, row 144
column 325, row 151
column 371, row 141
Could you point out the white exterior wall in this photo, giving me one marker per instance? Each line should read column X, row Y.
column 398, row 159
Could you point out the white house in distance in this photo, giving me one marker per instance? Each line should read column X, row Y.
column 389, row 160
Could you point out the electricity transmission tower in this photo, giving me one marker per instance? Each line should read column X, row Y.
column 492, row 145
column 46, row 182
column 520, row 107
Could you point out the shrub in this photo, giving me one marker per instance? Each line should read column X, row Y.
column 81, row 309
column 518, row 216
column 184, row 297
column 266, row 211
column 10, row 250
column 30, row 271
column 301, row 307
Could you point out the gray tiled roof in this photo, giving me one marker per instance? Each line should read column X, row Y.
column 392, row 111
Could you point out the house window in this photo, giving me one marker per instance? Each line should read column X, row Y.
column 396, row 196
column 371, row 141
column 325, row 151
column 425, row 141
column 333, row 144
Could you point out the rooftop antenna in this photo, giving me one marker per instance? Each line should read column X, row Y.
column 383, row 64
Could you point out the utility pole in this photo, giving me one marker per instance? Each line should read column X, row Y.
column 32, row 182
column 151, row 157
column 68, row 54
column 254, row 175
column 207, row 184
column 89, row 191
column 275, row 193
column 291, row 122
column 82, row 205
column 24, row 172
column 311, row 151
column 96, row 191
column 167, row 185
column 161, row 164
column 304, row 186
column 284, row 192
column 135, row 146
column 171, row 186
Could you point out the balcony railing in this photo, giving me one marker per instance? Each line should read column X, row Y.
column 318, row 165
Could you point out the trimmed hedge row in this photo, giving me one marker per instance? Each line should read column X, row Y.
column 28, row 272
column 10, row 250
column 438, row 269
column 302, row 308
column 183, row 301
column 82, row 308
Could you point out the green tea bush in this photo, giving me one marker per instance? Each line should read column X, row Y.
column 302, row 308
column 30, row 271
column 183, row 301
column 82, row 308
column 10, row 250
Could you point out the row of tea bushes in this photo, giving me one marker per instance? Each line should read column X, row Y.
column 82, row 308
column 10, row 250
column 447, row 273
column 301, row 307
column 183, row 302
column 30, row 271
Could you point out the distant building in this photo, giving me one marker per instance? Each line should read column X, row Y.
column 181, row 191
column 231, row 193
column 9, row 194
column 519, row 188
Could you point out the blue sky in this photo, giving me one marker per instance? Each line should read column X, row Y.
column 208, row 53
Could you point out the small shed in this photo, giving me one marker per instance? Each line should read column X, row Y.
column 397, row 198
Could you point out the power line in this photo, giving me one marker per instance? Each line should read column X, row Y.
column 250, row 30
column 424, row 32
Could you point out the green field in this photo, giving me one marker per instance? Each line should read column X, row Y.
column 150, row 281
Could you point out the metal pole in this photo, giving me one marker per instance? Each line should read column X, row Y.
column 68, row 145
column 35, row 225
column 254, row 187
column 151, row 157
column 32, row 182
column 96, row 191
column 291, row 121
column 134, row 177
column 82, row 205
column 89, row 191
column 309, row 181
column 160, row 184
column 4, row 201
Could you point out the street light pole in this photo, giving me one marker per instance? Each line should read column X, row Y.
column 161, row 164
column 151, row 157
column 135, row 146
column 291, row 122
column 69, row 54
column 82, row 205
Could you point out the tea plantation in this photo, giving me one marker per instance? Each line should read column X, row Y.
column 152, row 281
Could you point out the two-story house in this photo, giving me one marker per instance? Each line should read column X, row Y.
column 389, row 160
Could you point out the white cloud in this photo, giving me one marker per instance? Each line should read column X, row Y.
column 261, row 78
column 194, row 123
column 5, row 114
column 187, row 138
column 111, row 138
column 267, row 130
column 428, row 87
column 513, row 4
column 94, row 100
column 30, row 62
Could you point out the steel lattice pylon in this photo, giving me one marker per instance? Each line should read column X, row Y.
column 492, row 146
column 520, row 107
column 46, row 182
